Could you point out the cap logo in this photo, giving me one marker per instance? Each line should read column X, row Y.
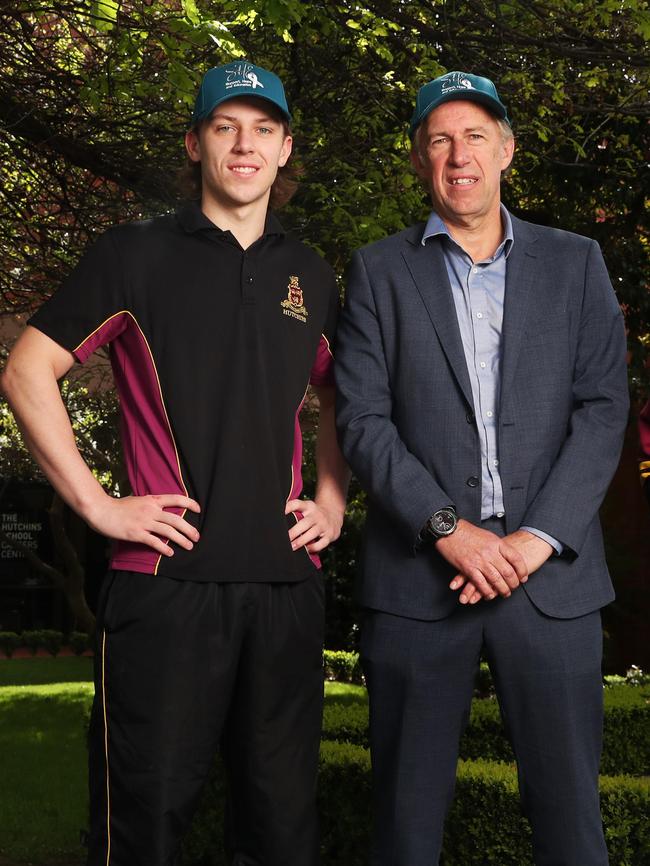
column 455, row 81
column 242, row 75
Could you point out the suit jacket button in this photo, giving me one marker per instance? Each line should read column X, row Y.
column 472, row 481
column 470, row 417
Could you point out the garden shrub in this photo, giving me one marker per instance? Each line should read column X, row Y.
column 50, row 640
column 79, row 642
column 9, row 642
column 342, row 666
column 346, row 723
column 485, row 820
column 626, row 742
column 31, row 640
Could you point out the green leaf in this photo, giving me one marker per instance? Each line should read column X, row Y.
column 191, row 11
column 105, row 13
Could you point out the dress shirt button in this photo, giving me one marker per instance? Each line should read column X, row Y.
column 483, row 364
column 500, row 514
column 475, row 270
column 470, row 417
column 479, row 315
column 472, row 481
column 495, row 462
column 489, row 414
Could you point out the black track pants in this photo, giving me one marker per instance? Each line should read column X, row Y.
column 181, row 666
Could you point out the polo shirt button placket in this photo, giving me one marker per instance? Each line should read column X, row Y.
column 247, row 282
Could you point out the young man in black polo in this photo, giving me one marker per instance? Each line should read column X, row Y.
column 210, row 621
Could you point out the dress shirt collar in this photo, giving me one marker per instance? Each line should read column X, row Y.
column 435, row 226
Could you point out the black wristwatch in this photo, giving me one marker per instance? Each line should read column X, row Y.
column 441, row 524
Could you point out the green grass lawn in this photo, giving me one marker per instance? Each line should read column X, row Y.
column 343, row 693
column 39, row 671
column 43, row 797
column 43, row 794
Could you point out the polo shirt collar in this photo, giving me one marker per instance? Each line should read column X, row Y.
column 192, row 220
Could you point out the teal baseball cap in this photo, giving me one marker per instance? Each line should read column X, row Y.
column 456, row 85
column 239, row 78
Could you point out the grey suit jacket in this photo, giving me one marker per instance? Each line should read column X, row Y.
column 406, row 418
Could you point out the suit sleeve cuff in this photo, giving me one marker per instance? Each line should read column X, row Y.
column 557, row 546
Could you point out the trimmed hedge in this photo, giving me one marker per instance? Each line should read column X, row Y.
column 485, row 819
column 342, row 666
column 47, row 639
column 626, row 742
column 9, row 642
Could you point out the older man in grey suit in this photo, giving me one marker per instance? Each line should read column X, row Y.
column 482, row 403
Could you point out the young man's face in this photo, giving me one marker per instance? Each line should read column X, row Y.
column 240, row 148
column 461, row 156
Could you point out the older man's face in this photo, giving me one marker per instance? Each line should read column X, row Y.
column 462, row 152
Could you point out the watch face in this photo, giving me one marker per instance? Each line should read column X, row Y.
column 443, row 522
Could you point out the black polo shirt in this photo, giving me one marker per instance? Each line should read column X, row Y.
column 212, row 349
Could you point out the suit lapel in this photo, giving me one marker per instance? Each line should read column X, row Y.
column 522, row 274
column 427, row 267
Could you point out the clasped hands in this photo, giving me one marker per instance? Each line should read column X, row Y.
column 488, row 565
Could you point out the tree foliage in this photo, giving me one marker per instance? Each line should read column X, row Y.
column 95, row 96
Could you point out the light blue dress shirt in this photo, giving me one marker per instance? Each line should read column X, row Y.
column 478, row 290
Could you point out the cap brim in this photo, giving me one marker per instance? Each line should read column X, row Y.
column 468, row 96
column 208, row 111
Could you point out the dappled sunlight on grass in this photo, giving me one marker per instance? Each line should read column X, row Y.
column 38, row 671
column 345, row 693
column 43, row 791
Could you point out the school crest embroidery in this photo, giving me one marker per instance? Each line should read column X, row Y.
column 294, row 305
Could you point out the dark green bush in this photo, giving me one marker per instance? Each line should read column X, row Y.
column 342, row 666
column 31, row 640
column 625, row 806
column 9, row 642
column 344, row 799
column 485, row 816
column 79, row 642
column 626, row 742
column 626, row 737
column 346, row 723
column 634, row 676
column 50, row 640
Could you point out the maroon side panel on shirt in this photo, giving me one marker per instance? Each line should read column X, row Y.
column 149, row 450
column 322, row 373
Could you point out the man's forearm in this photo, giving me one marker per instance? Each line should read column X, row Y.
column 31, row 389
column 30, row 386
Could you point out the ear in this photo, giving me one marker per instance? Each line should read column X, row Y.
column 285, row 151
column 418, row 163
column 508, row 152
column 193, row 145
